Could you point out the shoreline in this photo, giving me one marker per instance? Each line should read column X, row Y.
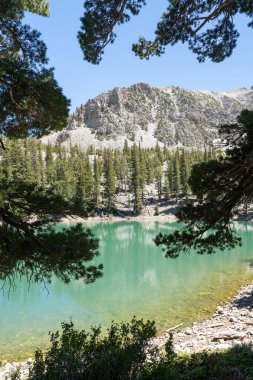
column 167, row 213
column 169, row 218
column 114, row 218
column 231, row 324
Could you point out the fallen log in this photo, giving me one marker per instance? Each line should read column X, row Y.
column 174, row 327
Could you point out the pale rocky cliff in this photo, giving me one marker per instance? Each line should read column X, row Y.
column 145, row 115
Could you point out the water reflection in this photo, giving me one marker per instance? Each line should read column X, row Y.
column 137, row 280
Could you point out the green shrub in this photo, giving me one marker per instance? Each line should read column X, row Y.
column 14, row 375
column 121, row 354
column 233, row 364
column 124, row 354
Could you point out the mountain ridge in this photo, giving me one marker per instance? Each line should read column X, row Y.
column 150, row 115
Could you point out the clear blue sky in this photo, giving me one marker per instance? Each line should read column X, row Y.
column 120, row 68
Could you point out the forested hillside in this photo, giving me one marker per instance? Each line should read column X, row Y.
column 99, row 181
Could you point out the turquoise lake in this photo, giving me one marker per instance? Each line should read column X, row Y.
column 137, row 280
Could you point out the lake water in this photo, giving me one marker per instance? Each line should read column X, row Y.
column 137, row 280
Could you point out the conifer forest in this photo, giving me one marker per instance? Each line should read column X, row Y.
column 103, row 181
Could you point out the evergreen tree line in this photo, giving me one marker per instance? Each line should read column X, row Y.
column 94, row 179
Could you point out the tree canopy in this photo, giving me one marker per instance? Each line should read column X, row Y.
column 207, row 26
column 33, row 104
column 32, row 247
column 31, row 101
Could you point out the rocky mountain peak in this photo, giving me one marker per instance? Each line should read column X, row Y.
column 149, row 115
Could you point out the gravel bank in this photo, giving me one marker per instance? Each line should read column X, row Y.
column 231, row 324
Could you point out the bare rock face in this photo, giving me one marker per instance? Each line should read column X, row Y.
column 147, row 115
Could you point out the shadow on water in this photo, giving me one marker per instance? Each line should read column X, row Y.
column 137, row 280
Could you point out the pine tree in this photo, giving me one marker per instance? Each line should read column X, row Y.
column 97, row 169
column 118, row 170
column 49, row 165
column 176, row 176
column 150, row 170
column 159, row 153
column 17, row 160
column 136, row 180
column 34, row 157
column 109, row 182
column 80, row 197
column 6, row 163
column 143, row 172
column 184, row 173
column 41, row 164
column 183, row 22
column 167, row 190
column 158, row 179
column 88, row 183
column 126, row 150
column 125, row 174
column 60, row 172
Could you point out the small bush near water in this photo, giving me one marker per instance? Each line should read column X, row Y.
column 78, row 355
column 123, row 354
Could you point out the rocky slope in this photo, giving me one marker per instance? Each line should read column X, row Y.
column 145, row 114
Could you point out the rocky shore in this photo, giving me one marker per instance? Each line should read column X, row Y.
column 7, row 370
column 114, row 218
column 232, row 324
column 166, row 213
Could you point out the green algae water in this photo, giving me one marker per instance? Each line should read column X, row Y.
column 137, row 280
